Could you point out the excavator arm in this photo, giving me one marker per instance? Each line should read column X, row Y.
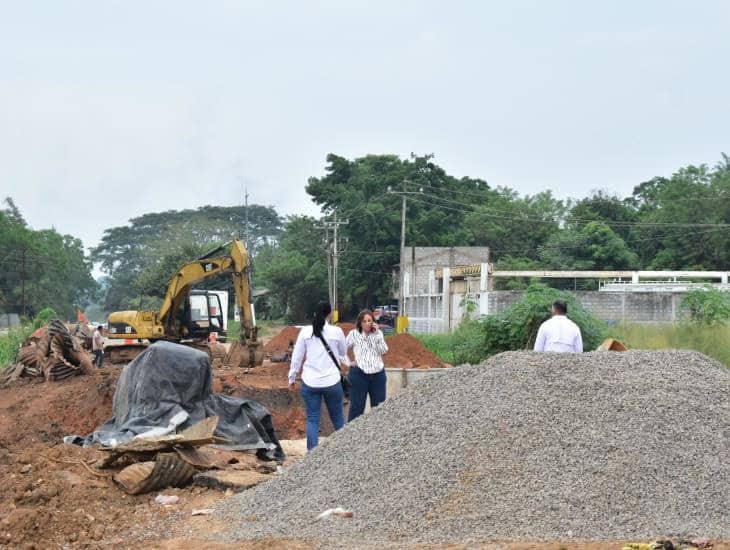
column 231, row 257
column 237, row 262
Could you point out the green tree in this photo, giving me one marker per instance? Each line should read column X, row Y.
column 707, row 306
column 140, row 257
column 41, row 268
column 295, row 271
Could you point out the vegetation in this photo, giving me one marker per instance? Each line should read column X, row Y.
column 710, row 340
column 515, row 328
column 708, row 306
column 41, row 268
column 10, row 342
column 678, row 222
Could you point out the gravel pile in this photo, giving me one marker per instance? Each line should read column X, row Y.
column 527, row 446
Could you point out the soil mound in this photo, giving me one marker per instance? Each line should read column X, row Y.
column 528, row 446
column 280, row 343
column 407, row 352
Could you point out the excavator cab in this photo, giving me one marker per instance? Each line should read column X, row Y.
column 204, row 315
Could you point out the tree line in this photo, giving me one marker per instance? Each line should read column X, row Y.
column 678, row 223
column 41, row 268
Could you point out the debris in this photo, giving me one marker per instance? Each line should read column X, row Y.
column 611, row 344
column 202, row 512
column 55, row 352
column 167, row 470
column 26, row 468
column 339, row 512
column 224, row 480
column 167, row 499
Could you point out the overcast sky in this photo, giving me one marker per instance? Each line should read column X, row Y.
column 112, row 109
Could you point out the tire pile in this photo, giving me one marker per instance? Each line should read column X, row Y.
column 57, row 354
column 525, row 447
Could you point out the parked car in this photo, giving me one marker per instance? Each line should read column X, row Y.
column 385, row 313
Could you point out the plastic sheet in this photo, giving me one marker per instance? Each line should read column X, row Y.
column 167, row 388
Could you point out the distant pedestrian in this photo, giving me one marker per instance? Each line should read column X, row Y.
column 559, row 333
column 97, row 346
column 321, row 377
column 367, row 376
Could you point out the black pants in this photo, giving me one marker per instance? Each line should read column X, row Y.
column 98, row 358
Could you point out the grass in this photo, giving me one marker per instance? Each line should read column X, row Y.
column 710, row 340
column 10, row 342
column 267, row 329
column 440, row 344
column 713, row 341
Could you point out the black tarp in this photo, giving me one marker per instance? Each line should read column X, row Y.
column 167, row 388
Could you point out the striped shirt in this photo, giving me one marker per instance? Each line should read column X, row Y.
column 369, row 350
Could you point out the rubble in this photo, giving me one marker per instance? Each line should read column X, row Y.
column 53, row 352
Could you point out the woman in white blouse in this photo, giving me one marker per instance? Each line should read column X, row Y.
column 320, row 373
column 367, row 375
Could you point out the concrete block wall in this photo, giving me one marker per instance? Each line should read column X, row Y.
column 631, row 307
column 613, row 307
column 420, row 260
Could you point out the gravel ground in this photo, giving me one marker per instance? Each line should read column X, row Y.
column 527, row 446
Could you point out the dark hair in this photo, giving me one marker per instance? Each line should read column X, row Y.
column 320, row 314
column 361, row 316
column 560, row 307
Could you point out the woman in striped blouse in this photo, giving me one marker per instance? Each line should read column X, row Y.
column 367, row 375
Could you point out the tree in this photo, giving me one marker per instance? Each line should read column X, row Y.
column 707, row 306
column 595, row 246
column 295, row 271
column 41, row 268
column 139, row 257
column 693, row 195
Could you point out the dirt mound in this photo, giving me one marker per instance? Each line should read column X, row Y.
column 280, row 342
column 407, row 352
column 346, row 327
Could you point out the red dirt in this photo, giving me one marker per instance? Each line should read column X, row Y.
column 406, row 352
column 280, row 342
column 49, row 499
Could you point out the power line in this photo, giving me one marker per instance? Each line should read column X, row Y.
column 482, row 195
column 553, row 221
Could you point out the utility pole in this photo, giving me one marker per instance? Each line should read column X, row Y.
column 401, row 270
column 401, row 321
column 245, row 214
column 333, row 253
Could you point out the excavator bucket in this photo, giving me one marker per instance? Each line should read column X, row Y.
column 244, row 356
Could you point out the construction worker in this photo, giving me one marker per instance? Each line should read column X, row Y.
column 97, row 346
column 559, row 333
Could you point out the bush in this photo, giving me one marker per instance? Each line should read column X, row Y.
column 10, row 343
column 44, row 316
column 707, row 306
column 516, row 327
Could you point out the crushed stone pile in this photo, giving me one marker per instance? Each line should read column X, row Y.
column 527, row 446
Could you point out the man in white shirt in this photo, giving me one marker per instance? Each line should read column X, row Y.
column 97, row 346
column 559, row 333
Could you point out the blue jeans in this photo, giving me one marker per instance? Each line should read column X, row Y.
column 333, row 398
column 361, row 385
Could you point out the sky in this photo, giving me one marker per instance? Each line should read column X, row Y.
column 113, row 109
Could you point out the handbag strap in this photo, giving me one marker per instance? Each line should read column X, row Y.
column 329, row 351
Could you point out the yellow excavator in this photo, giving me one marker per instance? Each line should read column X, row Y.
column 181, row 318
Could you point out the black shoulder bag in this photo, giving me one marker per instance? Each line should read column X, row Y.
column 343, row 379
